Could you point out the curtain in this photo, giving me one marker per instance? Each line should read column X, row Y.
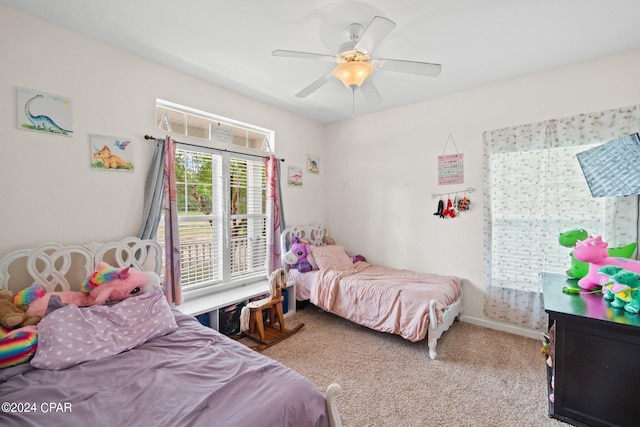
column 275, row 219
column 172, row 286
column 153, row 193
column 534, row 189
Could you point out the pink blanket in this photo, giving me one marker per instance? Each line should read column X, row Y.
column 384, row 299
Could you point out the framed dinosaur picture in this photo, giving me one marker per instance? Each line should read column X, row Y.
column 313, row 162
column 44, row 112
column 111, row 153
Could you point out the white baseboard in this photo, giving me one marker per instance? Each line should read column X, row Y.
column 513, row 329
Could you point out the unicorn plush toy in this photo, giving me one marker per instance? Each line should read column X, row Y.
column 296, row 257
column 105, row 285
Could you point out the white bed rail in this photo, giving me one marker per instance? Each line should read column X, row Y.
column 333, row 391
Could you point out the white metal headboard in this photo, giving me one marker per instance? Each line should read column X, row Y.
column 313, row 233
column 63, row 268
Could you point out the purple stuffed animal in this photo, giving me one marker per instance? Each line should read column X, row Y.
column 297, row 256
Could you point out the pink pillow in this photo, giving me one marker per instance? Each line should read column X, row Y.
column 330, row 256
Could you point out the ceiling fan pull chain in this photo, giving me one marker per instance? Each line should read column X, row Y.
column 353, row 102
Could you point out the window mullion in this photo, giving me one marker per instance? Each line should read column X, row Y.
column 225, row 177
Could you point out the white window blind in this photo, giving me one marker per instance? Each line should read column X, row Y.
column 536, row 196
column 222, row 218
column 248, row 249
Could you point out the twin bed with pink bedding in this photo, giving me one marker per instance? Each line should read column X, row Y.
column 402, row 302
column 139, row 362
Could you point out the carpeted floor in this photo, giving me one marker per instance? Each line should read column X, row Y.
column 481, row 377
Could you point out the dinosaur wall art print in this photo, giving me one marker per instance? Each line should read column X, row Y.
column 111, row 153
column 43, row 112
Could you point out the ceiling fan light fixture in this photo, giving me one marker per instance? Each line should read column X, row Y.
column 353, row 73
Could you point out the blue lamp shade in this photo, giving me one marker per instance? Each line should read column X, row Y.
column 613, row 169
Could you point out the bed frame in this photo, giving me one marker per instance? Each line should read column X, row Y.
column 316, row 233
column 56, row 267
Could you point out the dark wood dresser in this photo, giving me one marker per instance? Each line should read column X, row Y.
column 597, row 358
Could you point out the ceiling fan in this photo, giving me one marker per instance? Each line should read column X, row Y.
column 355, row 63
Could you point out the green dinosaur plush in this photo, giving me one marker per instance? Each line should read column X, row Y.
column 579, row 269
column 606, row 273
column 626, row 290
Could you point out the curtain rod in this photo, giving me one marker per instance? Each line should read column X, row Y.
column 218, row 149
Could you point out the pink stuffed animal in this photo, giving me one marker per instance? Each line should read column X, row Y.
column 105, row 285
column 111, row 284
column 594, row 251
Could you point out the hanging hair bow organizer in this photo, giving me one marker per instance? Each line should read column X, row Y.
column 453, row 207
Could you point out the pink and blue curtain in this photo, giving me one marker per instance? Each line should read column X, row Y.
column 172, row 288
column 275, row 217
column 160, row 194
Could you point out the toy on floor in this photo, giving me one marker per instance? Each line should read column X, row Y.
column 12, row 314
column 296, row 257
column 594, row 251
column 579, row 269
column 106, row 284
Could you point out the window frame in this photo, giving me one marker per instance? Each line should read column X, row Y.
column 227, row 152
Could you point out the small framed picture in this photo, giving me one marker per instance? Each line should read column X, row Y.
column 313, row 162
column 44, row 112
column 294, row 178
column 111, row 153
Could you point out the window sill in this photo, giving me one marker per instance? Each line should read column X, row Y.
column 207, row 303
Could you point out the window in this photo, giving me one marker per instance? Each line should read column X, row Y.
column 535, row 190
column 221, row 197
column 536, row 196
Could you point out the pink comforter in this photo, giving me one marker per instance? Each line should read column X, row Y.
column 384, row 299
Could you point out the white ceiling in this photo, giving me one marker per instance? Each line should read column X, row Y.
column 229, row 42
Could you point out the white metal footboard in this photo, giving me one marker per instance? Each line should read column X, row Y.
column 448, row 317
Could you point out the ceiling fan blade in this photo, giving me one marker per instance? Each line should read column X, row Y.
column 303, row 55
column 378, row 29
column 409, row 67
column 315, row 85
column 370, row 92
